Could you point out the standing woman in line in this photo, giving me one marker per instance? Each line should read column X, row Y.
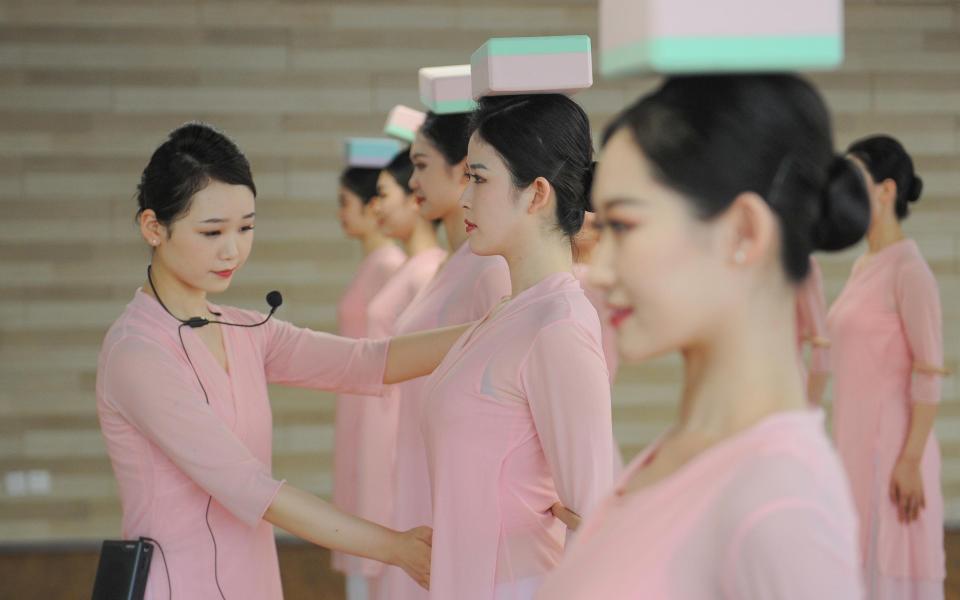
column 381, row 259
column 464, row 289
column 399, row 218
column 709, row 213
column 518, row 415
column 812, row 332
column 584, row 244
column 182, row 398
column 887, row 334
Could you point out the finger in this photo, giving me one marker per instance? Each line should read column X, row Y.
column 894, row 495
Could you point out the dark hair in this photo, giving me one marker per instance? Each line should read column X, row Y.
column 448, row 134
column 192, row 156
column 714, row 137
column 886, row 158
column 401, row 169
column 542, row 135
column 362, row 181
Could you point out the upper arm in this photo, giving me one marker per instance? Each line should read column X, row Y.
column 304, row 358
column 568, row 389
column 792, row 549
column 918, row 304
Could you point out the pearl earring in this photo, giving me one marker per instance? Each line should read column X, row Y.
column 739, row 256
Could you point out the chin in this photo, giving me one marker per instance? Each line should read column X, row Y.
column 477, row 247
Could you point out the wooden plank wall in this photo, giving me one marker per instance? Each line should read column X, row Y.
column 89, row 87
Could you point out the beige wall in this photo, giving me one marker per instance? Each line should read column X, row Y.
column 89, row 87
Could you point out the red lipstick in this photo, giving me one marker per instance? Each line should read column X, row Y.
column 470, row 226
column 619, row 315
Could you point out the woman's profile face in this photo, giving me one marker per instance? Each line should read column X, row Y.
column 436, row 185
column 664, row 271
column 206, row 246
column 395, row 209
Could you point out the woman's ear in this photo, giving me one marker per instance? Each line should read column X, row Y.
column 540, row 200
column 151, row 229
column 752, row 228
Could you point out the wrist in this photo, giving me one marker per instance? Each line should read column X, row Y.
column 909, row 458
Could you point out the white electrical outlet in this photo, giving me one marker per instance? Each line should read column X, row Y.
column 15, row 483
column 39, row 482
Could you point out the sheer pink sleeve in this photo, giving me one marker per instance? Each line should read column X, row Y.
column 157, row 393
column 304, row 358
column 790, row 550
column 568, row 389
column 918, row 302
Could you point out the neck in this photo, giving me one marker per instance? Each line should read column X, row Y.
column 181, row 300
column 423, row 237
column 374, row 241
column 745, row 372
column 454, row 228
column 584, row 256
column 886, row 233
column 532, row 262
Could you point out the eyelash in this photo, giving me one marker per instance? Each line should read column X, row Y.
column 617, row 227
column 419, row 166
column 211, row 234
column 475, row 178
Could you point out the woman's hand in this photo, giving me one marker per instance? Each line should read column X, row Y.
column 906, row 489
column 412, row 554
column 569, row 518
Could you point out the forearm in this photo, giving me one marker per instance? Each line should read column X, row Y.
column 922, row 418
column 418, row 354
column 310, row 518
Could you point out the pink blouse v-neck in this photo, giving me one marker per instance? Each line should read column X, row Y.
column 465, row 288
column 885, row 323
column 171, row 450
column 372, row 273
column 517, row 417
column 763, row 514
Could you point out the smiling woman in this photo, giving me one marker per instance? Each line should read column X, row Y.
column 184, row 409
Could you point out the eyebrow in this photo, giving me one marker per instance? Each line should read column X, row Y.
column 418, row 155
column 476, row 166
column 219, row 220
column 615, row 202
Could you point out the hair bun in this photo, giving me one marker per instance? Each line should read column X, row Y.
column 588, row 174
column 916, row 188
column 844, row 208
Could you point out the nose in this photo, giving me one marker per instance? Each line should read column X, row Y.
column 466, row 197
column 230, row 249
column 414, row 183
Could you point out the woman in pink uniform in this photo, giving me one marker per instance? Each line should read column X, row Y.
column 583, row 246
column 709, row 212
column 887, row 337
column 464, row 289
column 812, row 332
column 517, row 416
column 399, row 218
column 182, row 400
column 358, row 186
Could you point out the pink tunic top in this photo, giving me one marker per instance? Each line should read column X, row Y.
column 765, row 514
column 812, row 321
column 376, row 434
column 373, row 272
column 610, row 352
column 517, row 416
column 885, row 322
column 465, row 288
column 171, row 451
